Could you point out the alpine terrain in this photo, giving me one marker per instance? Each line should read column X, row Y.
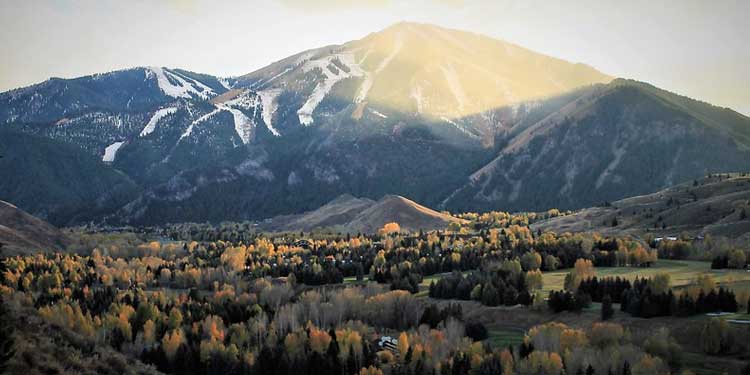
column 451, row 119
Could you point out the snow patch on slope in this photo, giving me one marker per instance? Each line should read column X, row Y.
column 158, row 115
column 416, row 94
column 111, row 151
column 376, row 113
column 205, row 117
column 242, row 124
column 268, row 101
column 182, row 88
column 459, row 127
column 455, row 85
column 331, row 78
column 225, row 83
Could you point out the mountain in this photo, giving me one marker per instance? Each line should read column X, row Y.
column 710, row 205
column 421, row 69
column 451, row 119
column 22, row 233
column 360, row 215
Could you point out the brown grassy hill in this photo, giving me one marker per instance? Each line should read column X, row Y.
column 349, row 214
column 712, row 205
column 21, row 232
column 335, row 213
column 393, row 208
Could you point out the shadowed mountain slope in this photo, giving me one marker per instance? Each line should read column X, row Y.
column 711, row 205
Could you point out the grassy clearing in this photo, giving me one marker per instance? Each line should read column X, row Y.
column 702, row 364
column 353, row 280
column 502, row 337
column 682, row 272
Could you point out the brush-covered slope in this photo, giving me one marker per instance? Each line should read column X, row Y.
column 21, row 233
column 57, row 181
column 711, row 205
column 360, row 215
column 608, row 142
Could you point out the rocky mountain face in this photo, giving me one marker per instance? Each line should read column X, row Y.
column 448, row 118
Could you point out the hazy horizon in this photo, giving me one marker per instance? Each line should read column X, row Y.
column 693, row 48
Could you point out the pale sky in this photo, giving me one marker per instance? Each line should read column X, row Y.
column 693, row 47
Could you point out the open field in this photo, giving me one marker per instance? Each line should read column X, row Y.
column 502, row 337
column 682, row 272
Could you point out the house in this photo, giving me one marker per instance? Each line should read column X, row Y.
column 389, row 343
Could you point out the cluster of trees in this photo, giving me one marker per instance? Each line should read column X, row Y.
column 269, row 326
column 717, row 337
column 735, row 258
column 678, row 249
column 605, row 348
column 644, row 297
column 597, row 289
column 647, row 300
column 404, row 259
column 563, row 300
column 503, row 284
column 718, row 249
column 233, row 326
column 234, row 303
column 433, row 315
column 602, row 252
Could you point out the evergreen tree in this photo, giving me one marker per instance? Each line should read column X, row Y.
column 626, row 368
column 607, row 310
column 360, row 272
column 351, row 361
column 408, row 356
column 333, row 353
column 525, row 349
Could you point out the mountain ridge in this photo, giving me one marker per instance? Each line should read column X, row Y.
column 710, row 205
column 452, row 119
